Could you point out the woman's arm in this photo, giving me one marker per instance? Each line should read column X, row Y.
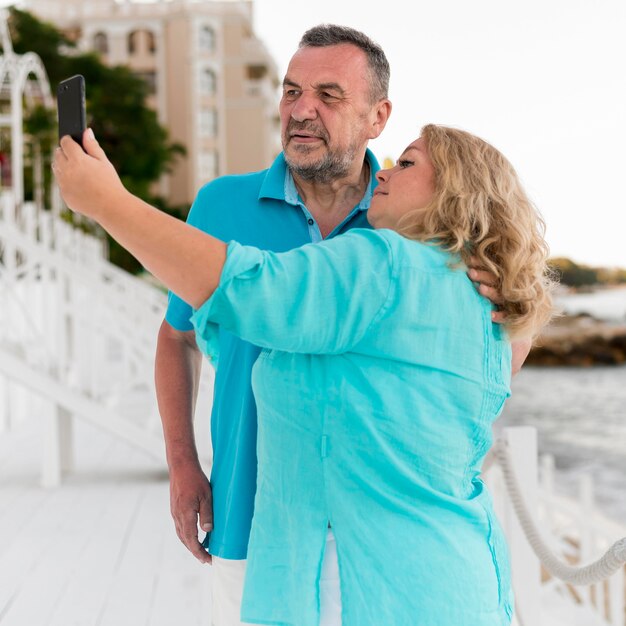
column 186, row 260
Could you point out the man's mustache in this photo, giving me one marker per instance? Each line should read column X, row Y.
column 294, row 128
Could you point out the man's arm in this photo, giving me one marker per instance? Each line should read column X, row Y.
column 520, row 347
column 177, row 374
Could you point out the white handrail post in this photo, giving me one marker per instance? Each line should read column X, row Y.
column 617, row 598
column 546, row 479
column 57, row 446
column 586, row 550
column 525, row 567
column 5, row 405
column 66, row 426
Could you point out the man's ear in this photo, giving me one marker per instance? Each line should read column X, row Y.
column 380, row 114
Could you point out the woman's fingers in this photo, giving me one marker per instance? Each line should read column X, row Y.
column 92, row 147
column 70, row 148
column 59, row 155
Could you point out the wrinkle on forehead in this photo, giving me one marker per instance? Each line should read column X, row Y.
column 336, row 65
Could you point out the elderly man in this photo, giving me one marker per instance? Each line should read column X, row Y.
column 334, row 101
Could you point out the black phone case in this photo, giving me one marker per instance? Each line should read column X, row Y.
column 71, row 108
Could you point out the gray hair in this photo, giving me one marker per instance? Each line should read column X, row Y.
column 332, row 35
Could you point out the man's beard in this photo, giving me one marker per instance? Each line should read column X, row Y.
column 333, row 165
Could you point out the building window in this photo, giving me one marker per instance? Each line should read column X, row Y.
column 150, row 79
column 152, row 46
column 207, row 39
column 133, row 42
column 208, row 123
column 141, row 41
column 208, row 82
column 208, row 165
column 101, row 43
column 256, row 72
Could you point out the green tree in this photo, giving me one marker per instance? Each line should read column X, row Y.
column 572, row 274
column 126, row 128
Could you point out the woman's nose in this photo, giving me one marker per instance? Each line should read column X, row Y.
column 382, row 175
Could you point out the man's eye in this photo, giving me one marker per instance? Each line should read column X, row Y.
column 328, row 96
column 290, row 93
column 405, row 163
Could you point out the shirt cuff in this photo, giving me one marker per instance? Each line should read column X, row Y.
column 242, row 263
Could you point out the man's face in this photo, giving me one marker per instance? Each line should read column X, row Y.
column 326, row 111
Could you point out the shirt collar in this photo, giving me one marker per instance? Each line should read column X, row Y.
column 279, row 184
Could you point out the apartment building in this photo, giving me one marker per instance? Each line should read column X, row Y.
column 211, row 80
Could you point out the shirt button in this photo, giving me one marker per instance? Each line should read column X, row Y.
column 311, row 222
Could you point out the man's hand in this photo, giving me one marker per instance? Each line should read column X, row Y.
column 191, row 501
column 486, row 281
column 486, row 287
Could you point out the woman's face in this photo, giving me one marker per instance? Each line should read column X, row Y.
column 408, row 186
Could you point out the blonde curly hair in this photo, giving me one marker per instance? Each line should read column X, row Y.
column 480, row 209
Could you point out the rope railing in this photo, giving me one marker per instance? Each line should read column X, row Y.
column 613, row 559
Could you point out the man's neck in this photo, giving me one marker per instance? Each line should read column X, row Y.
column 331, row 202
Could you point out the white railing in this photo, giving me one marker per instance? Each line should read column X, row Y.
column 77, row 331
column 573, row 530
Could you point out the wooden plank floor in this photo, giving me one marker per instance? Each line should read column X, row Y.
column 101, row 550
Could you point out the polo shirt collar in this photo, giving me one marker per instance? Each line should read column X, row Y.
column 278, row 183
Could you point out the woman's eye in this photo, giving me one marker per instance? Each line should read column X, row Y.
column 404, row 163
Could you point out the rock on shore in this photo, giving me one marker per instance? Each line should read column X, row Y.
column 580, row 340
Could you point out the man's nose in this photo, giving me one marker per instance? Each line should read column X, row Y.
column 305, row 108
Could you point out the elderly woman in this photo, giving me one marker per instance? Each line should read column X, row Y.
column 379, row 381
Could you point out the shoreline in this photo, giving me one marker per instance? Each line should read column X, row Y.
column 580, row 341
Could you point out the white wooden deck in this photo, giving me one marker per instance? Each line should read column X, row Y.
column 101, row 550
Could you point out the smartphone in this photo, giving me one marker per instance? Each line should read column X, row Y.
column 71, row 108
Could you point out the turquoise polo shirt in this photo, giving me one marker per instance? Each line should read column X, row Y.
column 260, row 209
column 379, row 381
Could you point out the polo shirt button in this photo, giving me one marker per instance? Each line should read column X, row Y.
column 311, row 222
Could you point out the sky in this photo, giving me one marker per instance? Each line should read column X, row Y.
column 542, row 80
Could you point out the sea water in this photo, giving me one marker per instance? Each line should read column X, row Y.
column 580, row 416
column 607, row 304
column 579, row 413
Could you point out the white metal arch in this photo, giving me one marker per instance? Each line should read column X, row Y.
column 30, row 63
column 5, row 35
column 16, row 69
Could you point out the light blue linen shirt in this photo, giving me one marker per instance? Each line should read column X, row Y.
column 379, row 380
column 261, row 209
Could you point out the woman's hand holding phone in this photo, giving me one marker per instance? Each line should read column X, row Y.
column 87, row 179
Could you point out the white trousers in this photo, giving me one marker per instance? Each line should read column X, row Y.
column 228, row 577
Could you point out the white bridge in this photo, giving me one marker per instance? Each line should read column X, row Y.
column 77, row 331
